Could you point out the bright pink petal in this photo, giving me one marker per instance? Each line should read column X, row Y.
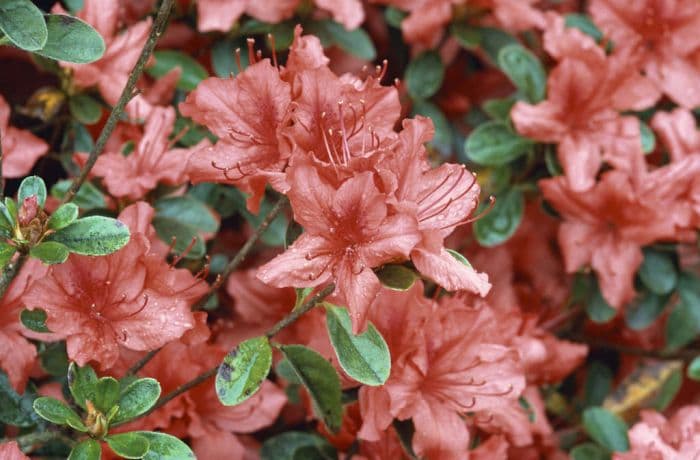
column 305, row 263
column 218, row 14
column 440, row 432
column 615, row 262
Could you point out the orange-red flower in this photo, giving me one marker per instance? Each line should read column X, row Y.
column 10, row 451
column 20, row 149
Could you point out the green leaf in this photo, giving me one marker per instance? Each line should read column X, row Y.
column 463, row 260
column 88, row 197
column 72, row 40
column 165, row 447
column 668, row 391
column 320, row 380
column 224, row 199
column 693, row 370
column 85, row 109
column 243, row 371
column 16, row 409
column 34, row 320
column 424, row 75
column 583, row 23
column 648, row 138
column 606, row 428
column 589, row 451
column 364, row 357
column 442, row 140
column 355, row 42
column 74, row 5
column 7, row 251
column 223, row 57
column 106, row 394
column 467, row 36
column 50, row 252
column 10, row 211
column 495, row 144
column 644, row 310
column 524, row 70
column 499, row 109
column 93, row 236
column 682, row 325
column 276, row 233
column 57, row 412
column 88, row 449
column 54, row 359
column 394, row 16
column 599, row 381
column 501, row 223
column 23, row 24
column 492, row 40
column 137, row 398
column 82, row 383
column 184, row 234
column 598, row 309
column 32, row 186
column 188, row 210
column 289, row 446
column 396, row 277
column 62, row 217
column 658, row 272
column 192, row 71
column 128, row 445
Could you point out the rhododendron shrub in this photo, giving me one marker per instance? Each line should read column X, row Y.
column 382, row 229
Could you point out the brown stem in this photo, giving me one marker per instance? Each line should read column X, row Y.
column 126, row 96
column 296, row 314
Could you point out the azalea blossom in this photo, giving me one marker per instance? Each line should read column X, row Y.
column 10, row 451
column 20, row 148
column 678, row 131
column 131, row 298
column 666, row 33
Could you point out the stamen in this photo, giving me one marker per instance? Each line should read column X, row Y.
column 251, row 50
column 184, row 253
column 492, row 203
column 343, row 134
column 381, row 70
column 271, row 38
column 238, row 60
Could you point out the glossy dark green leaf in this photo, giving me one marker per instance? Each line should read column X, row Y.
column 88, row 449
column 88, row 197
column 682, row 325
column 85, row 109
column 93, row 236
column 65, row 215
column 658, row 272
column 355, row 41
column 137, row 398
column 466, row 35
column 32, row 186
column 106, row 393
column 187, row 210
column 583, row 23
column 599, row 381
column 589, row 451
column 693, row 370
column 524, row 70
column 598, row 309
column 23, row 24
column 606, row 428
column 82, row 383
column 184, row 235
column 165, row 447
column 492, row 40
column 72, row 40
column 499, row 109
column 364, row 357
column 34, row 320
column 7, row 251
column 502, row 221
column 50, row 252
column 54, row 359
column 57, row 412
column 320, row 380
column 16, row 409
column 128, row 445
column 424, row 75
column 495, row 144
column 243, row 371
column 644, row 310
column 288, row 445
column 394, row 16
column 192, row 72
column 396, row 277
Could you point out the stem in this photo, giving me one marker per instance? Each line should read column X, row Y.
column 286, row 321
column 9, row 273
column 127, row 94
column 296, row 314
column 138, row 365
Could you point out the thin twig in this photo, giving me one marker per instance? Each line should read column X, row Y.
column 138, row 365
column 126, row 96
column 286, row 321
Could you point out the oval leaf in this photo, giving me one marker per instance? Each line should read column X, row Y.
column 503, row 220
column 589, row 451
column 658, row 272
column 137, row 398
column 683, row 325
column 62, row 217
column 424, row 75
column 32, row 186
column 363, row 357
column 694, row 369
column 106, row 394
column 396, row 277
column 644, row 310
column 320, row 380
column 191, row 74
column 128, row 445
column 50, row 252
column 286, row 446
column 23, row 24
column 606, row 428
column 72, row 40
column 598, row 309
column 88, row 197
column 93, row 236
column 34, row 320
column 243, row 371
column 82, row 383
column 356, row 42
column 88, row 449
column 184, row 234
column 16, row 409
column 85, row 109
column 495, row 144
column 524, row 70
column 163, row 446
column 7, row 251
column 57, row 412
column 189, row 211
